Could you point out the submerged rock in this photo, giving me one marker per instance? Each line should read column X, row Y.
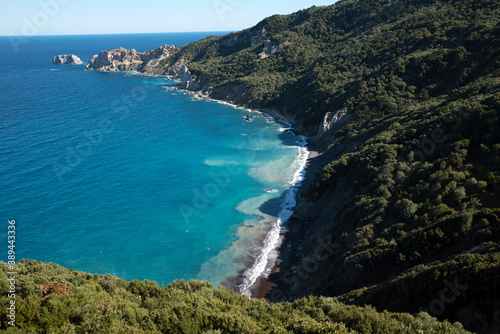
column 67, row 59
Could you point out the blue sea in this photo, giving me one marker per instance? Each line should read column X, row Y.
column 120, row 173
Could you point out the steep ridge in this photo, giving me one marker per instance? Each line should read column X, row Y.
column 401, row 99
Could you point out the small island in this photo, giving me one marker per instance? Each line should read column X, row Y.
column 67, row 59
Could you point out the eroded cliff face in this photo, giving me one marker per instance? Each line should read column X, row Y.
column 121, row 59
column 332, row 122
column 270, row 48
column 187, row 80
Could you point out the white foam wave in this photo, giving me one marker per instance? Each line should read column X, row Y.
column 264, row 261
column 285, row 123
column 212, row 162
column 226, row 103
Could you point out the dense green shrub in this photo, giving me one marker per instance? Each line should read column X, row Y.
column 181, row 307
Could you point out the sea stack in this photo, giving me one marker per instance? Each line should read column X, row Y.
column 67, row 59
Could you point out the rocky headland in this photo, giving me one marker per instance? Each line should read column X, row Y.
column 169, row 60
column 132, row 61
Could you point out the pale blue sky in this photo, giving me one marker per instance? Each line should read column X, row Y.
column 42, row 17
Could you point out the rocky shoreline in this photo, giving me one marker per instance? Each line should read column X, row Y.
column 270, row 288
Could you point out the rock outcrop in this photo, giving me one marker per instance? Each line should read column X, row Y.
column 270, row 48
column 67, row 59
column 130, row 60
column 187, row 81
column 116, row 60
column 252, row 38
column 332, row 122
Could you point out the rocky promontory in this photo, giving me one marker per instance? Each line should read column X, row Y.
column 70, row 59
column 130, row 60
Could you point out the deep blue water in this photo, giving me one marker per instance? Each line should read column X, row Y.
column 114, row 173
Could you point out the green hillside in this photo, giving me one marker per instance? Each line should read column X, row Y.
column 52, row 299
column 407, row 184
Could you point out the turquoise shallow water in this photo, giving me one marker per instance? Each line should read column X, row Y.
column 117, row 173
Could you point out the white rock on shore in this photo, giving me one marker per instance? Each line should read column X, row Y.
column 187, row 81
column 67, row 59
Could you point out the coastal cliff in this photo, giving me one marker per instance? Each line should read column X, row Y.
column 130, row 60
column 400, row 100
column 175, row 61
